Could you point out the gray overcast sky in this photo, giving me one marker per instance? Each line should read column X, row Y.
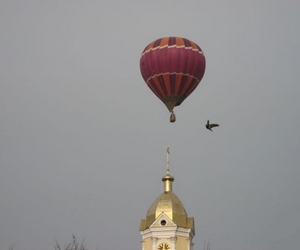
column 83, row 139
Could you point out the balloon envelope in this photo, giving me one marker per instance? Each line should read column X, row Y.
column 172, row 67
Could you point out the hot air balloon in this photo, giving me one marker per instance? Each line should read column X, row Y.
column 172, row 67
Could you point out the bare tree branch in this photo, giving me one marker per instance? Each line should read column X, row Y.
column 208, row 246
column 73, row 245
column 11, row 247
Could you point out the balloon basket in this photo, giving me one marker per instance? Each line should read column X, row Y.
column 172, row 117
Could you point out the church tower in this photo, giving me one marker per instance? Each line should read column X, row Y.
column 167, row 225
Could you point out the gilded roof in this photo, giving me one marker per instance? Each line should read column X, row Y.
column 169, row 203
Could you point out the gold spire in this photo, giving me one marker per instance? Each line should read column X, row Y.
column 168, row 179
column 168, row 203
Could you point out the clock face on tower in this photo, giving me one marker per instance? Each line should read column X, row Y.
column 163, row 246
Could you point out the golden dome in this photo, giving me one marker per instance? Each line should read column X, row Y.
column 169, row 204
